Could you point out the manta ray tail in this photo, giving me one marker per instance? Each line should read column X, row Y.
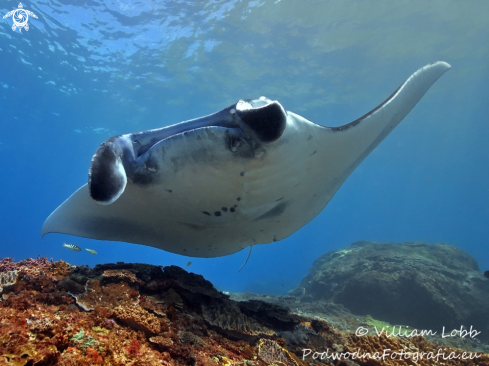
column 246, row 261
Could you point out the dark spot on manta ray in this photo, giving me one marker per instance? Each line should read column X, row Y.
column 235, row 206
column 276, row 211
column 239, row 146
column 217, row 213
column 232, row 209
column 315, row 151
column 169, row 191
column 238, row 199
column 206, row 213
column 193, row 226
column 297, row 184
column 310, row 137
column 280, row 199
column 225, row 209
column 242, row 173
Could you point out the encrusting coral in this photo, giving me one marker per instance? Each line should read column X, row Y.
column 135, row 314
column 138, row 318
column 270, row 352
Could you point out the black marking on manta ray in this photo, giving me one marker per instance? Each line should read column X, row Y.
column 297, row 184
column 169, row 191
column 206, row 213
column 193, row 226
column 151, row 165
column 238, row 199
column 280, row 199
column 310, row 137
column 315, row 151
column 225, row 209
column 217, row 213
column 145, row 176
column 240, row 146
column 232, row 209
column 242, row 173
column 358, row 120
column 276, row 211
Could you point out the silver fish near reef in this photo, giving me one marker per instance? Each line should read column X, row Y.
column 188, row 264
column 91, row 251
column 72, row 247
column 250, row 174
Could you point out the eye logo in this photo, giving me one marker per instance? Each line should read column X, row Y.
column 20, row 17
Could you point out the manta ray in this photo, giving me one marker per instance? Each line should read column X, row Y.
column 250, row 174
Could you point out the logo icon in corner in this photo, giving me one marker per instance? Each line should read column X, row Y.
column 20, row 17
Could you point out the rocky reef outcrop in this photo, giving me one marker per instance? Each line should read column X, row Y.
column 425, row 286
column 53, row 313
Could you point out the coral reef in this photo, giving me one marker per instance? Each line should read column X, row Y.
column 421, row 285
column 136, row 314
column 271, row 353
column 138, row 318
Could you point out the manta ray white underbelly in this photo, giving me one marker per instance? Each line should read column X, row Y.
column 250, row 174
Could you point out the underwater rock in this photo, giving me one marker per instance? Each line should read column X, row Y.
column 425, row 286
column 163, row 316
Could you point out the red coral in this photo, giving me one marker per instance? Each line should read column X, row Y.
column 134, row 347
column 7, row 265
column 32, row 263
column 93, row 357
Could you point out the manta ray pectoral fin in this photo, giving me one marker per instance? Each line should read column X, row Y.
column 388, row 114
column 352, row 142
column 107, row 178
column 265, row 118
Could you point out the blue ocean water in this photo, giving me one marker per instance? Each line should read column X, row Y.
column 85, row 71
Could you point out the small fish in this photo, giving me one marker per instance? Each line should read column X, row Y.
column 188, row 264
column 91, row 251
column 72, row 247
